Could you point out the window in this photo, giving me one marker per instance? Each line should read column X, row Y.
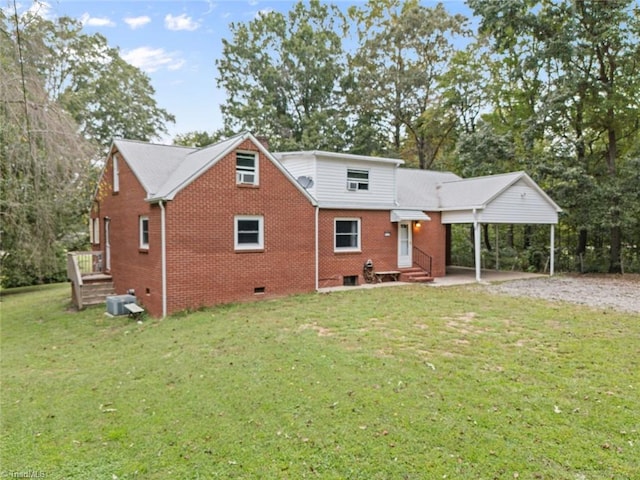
column 246, row 168
column 116, row 174
column 347, row 234
column 144, row 233
column 249, row 233
column 94, row 231
column 357, row 179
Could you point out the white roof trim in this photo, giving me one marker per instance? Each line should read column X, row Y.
column 405, row 215
column 338, row 156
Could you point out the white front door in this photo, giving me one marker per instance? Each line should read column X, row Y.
column 404, row 245
column 107, row 245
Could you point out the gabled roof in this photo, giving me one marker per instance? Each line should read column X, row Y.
column 151, row 164
column 164, row 170
column 478, row 192
column 418, row 189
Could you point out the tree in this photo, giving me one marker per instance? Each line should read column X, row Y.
column 44, row 169
column 582, row 64
column 199, row 138
column 404, row 50
column 282, row 76
column 106, row 96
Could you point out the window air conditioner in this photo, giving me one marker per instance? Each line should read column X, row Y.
column 352, row 185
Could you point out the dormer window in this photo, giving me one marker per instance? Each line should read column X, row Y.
column 246, row 168
column 357, row 179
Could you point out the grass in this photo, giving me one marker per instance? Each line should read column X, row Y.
column 394, row 383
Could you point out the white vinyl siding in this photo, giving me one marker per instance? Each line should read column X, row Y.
column 346, row 235
column 519, row 203
column 246, row 168
column 248, row 232
column 329, row 176
column 332, row 186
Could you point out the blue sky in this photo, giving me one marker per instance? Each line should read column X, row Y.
column 176, row 44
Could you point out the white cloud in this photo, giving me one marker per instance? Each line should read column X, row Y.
column 152, row 59
column 41, row 9
column 181, row 22
column 137, row 22
column 263, row 12
column 87, row 19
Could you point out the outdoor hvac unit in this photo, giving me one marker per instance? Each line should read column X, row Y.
column 116, row 303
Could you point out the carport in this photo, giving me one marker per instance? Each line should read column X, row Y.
column 512, row 198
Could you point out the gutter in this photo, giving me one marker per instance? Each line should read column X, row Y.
column 163, row 247
column 317, row 248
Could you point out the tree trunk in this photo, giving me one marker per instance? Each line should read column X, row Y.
column 526, row 237
column 487, row 240
column 615, row 239
column 582, row 242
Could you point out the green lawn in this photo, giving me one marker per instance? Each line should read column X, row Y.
column 405, row 382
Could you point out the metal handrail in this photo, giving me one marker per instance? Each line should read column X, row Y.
column 423, row 260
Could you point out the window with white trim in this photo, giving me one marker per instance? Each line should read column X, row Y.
column 94, row 231
column 116, row 173
column 357, row 179
column 249, row 232
column 144, row 232
column 246, row 168
column 347, row 235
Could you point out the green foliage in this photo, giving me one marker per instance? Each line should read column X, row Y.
column 198, row 138
column 404, row 382
column 107, row 97
column 63, row 96
column 404, row 50
column 564, row 77
column 282, row 75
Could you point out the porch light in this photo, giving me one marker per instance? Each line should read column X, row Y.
column 418, row 224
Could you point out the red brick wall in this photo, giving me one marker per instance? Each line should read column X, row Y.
column 430, row 237
column 202, row 266
column 131, row 267
column 381, row 249
column 334, row 266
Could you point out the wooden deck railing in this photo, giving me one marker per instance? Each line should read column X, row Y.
column 79, row 265
column 422, row 260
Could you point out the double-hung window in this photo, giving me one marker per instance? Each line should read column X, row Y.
column 94, row 231
column 357, row 179
column 144, row 233
column 249, row 232
column 347, row 235
column 246, row 168
column 116, row 173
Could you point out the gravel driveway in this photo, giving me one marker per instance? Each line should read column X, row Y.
column 618, row 292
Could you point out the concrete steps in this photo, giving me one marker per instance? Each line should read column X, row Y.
column 415, row 274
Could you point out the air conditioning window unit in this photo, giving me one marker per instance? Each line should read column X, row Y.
column 245, row 178
column 352, row 185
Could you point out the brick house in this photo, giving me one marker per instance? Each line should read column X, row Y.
column 185, row 228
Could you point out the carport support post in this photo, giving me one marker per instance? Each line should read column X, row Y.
column 552, row 243
column 476, row 241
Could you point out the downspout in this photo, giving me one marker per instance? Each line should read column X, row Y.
column 317, row 253
column 163, row 247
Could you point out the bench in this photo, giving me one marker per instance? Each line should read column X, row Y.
column 392, row 275
column 135, row 310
